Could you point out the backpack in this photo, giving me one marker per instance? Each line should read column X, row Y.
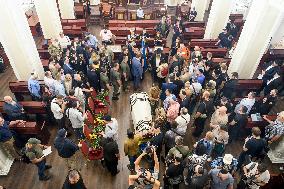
column 24, row 157
column 176, row 180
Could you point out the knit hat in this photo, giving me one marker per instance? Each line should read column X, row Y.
column 61, row 133
column 33, row 141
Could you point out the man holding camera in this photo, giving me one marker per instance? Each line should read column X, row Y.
column 147, row 178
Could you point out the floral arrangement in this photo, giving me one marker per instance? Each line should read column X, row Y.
column 103, row 98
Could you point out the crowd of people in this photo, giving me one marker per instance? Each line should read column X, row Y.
column 188, row 91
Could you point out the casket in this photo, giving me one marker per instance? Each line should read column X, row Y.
column 141, row 112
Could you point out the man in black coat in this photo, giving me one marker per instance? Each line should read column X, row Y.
column 111, row 155
column 230, row 86
column 276, row 82
column 94, row 77
column 157, row 58
column 74, row 181
column 185, row 100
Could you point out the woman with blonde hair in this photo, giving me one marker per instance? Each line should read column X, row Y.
column 219, row 117
column 68, row 83
column 154, row 96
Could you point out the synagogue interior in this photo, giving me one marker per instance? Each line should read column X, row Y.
column 141, row 94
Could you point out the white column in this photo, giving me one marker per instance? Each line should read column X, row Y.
column 17, row 40
column 66, row 9
column 5, row 161
column 263, row 20
column 200, row 7
column 218, row 18
column 49, row 18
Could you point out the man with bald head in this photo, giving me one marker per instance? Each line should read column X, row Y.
column 13, row 109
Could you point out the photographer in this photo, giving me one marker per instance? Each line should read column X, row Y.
column 255, row 176
column 145, row 178
column 149, row 160
column 58, row 107
column 174, row 173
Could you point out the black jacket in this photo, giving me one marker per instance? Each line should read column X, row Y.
column 65, row 147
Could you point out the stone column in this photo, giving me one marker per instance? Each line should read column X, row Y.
column 17, row 40
column 218, row 18
column 200, row 7
column 263, row 20
column 66, row 9
column 49, row 18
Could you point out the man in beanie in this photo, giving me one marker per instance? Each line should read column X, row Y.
column 111, row 127
column 67, row 149
column 34, row 151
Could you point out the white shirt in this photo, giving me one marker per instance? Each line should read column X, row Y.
column 140, row 13
column 56, row 109
column 111, row 129
column 263, row 177
column 197, row 87
column 182, row 121
column 49, row 82
column 106, row 36
column 64, row 41
column 76, row 117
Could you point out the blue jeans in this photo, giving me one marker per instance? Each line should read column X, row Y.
column 41, row 168
column 132, row 160
column 136, row 81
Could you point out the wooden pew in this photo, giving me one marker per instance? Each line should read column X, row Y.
column 79, row 11
column 73, row 31
column 260, row 124
column 30, row 107
column 43, row 53
column 194, row 33
column 33, row 129
column 134, row 23
column 20, row 88
column 74, row 22
column 194, row 24
column 205, row 43
column 245, row 86
column 45, row 63
column 34, row 24
column 236, row 16
column 216, row 52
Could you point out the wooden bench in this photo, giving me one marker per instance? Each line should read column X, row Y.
column 79, row 11
column 33, row 22
column 205, row 43
column 74, row 22
column 194, row 33
column 30, row 107
column 236, row 16
column 194, row 24
column 33, row 129
column 43, row 53
column 245, row 86
column 216, row 52
column 73, row 31
column 45, row 63
column 134, row 23
column 20, row 88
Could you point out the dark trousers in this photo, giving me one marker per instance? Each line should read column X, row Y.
column 233, row 133
column 112, row 166
column 136, row 82
column 199, row 126
column 79, row 133
column 41, row 168
column 167, row 184
column 60, row 123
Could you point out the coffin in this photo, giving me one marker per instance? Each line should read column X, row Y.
column 141, row 112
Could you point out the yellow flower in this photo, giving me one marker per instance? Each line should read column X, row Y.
column 93, row 136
